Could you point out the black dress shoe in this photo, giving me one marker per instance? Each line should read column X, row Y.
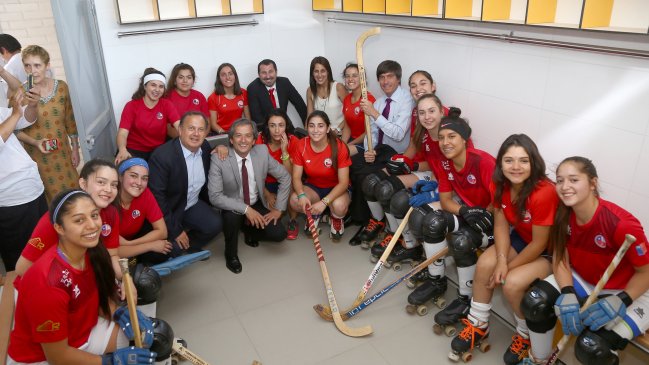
column 233, row 264
column 250, row 242
column 356, row 239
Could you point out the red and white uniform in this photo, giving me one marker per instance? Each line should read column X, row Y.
column 540, row 208
column 354, row 116
column 194, row 102
column 277, row 155
column 318, row 166
column 471, row 184
column 142, row 208
column 56, row 302
column 592, row 246
column 147, row 128
column 228, row 110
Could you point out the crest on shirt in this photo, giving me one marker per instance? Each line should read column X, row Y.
column 471, row 179
column 446, row 165
column 106, row 229
column 65, row 278
column 328, row 162
column 159, row 115
column 240, row 104
column 357, row 110
column 36, row 242
column 600, row 241
column 450, row 176
column 76, row 291
column 135, row 213
column 427, row 148
column 48, row 326
column 527, row 217
column 195, row 101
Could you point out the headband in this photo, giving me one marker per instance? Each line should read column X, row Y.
column 455, row 125
column 63, row 200
column 135, row 161
column 154, row 76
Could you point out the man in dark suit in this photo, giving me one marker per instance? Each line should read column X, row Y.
column 178, row 180
column 236, row 186
column 268, row 92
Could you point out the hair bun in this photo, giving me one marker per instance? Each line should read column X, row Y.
column 454, row 112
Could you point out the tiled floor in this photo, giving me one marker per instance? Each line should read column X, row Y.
column 265, row 313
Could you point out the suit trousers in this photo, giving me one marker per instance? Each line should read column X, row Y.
column 233, row 223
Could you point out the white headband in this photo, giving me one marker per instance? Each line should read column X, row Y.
column 154, row 76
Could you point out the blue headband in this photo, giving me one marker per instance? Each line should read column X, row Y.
column 62, row 201
column 135, row 161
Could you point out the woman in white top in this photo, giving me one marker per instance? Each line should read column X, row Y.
column 325, row 94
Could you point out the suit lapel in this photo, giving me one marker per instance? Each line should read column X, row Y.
column 183, row 166
column 235, row 167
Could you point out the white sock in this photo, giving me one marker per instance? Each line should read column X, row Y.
column 521, row 327
column 465, row 279
column 480, row 312
column 408, row 240
column 541, row 344
column 431, row 249
column 377, row 210
column 392, row 222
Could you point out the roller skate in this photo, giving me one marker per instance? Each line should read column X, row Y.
column 432, row 289
column 446, row 319
column 378, row 249
column 469, row 338
column 417, row 279
column 517, row 351
column 337, row 229
column 371, row 233
column 356, row 239
column 401, row 255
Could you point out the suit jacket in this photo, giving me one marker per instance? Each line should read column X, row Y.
column 224, row 180
column 168, row 182
column 259, row 101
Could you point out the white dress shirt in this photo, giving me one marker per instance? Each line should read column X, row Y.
column 252, row 185
column 396, row 128
column 195, row 174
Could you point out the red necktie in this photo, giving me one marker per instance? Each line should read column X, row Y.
column 385, row 114
column 271, row 93
column 244, row 181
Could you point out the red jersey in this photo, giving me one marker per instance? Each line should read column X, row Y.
column 194, row 102
column 277, row 155
column 471, row 184
column 354, row 116
column 318, row 166
column 540, row 208
column 144, row 207
column 591, row 247
column 147, row 128
column 228, row 110
column 56, row 302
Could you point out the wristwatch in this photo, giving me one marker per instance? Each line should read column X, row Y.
column 326, row 201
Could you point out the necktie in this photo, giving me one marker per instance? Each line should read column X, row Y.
column 244, row 182
column 385, row 114
column 271, row 93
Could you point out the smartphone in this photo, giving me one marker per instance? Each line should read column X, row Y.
column 30, row 82
column 51, row 144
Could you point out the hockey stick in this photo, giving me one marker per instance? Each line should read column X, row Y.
column 186, row 354
column 342, row 327
column 354, row 311
column 131, row 302
column 377, row 268
column 628, row 241
column 361, row 72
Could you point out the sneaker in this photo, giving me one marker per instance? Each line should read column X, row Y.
column 517, row 351
column 337, row 229
column 292, row 231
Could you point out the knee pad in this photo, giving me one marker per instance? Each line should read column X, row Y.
column 596, row 347
column 435, row 227
column 369, row 182
column 399, row 203
column 385, row 189
column 163, row 339
column 148, row 284
column 538, row 306
column 463, row 246
column 416, row 221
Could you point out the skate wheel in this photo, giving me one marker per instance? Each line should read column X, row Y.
column 440, row 303
column 388, row 264
column 484, row 346
column 453, row 356
column 174, row 362
column 397, row 267
column 422, row 310
column 467, row 356
column 410, row 284
column 411, row 309
column 437, row 329
column 450, row 331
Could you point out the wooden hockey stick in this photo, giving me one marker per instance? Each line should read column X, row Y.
column 628, row 241
column 375, row 271
column 186, row 354
column 340, row 324
column 361, row 72
column 131, row 302
column 354, row 311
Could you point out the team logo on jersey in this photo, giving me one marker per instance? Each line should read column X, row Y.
column 427, row 148
column 357, row 110
column 450, row 176
column 240, row 104
column 106, row 229
column 527, row 217
column 135, row 214
column 446, row 165
column 641, row 249
column 159, row 115
column 600, row 241
column 195, row 101
column 504, row 206
column 48, row 326
column 36, row 242
column 471, row 179
column 65, row 278
column 308, row 161
column 328, row 162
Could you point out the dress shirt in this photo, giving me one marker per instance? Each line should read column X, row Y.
column 396, row 128
column 195, row 174
column 251, row 178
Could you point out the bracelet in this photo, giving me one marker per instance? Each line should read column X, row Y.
column 301, row 195
column 285, row 157
column 626, row 298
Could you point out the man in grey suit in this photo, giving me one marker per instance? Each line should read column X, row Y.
column 236, row 187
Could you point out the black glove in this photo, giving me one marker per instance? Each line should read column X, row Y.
column 478, row 218
column 401, row 165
